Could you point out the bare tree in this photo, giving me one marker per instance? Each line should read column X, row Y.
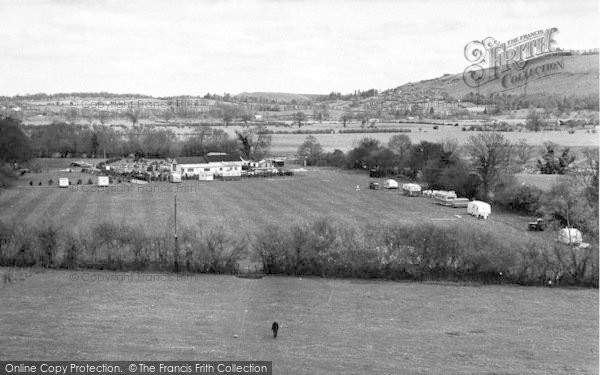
column 400, row 144
column 311, row 150
column 346, row 116
column 450, row 146
column 299, row 116
column 587, row 176
column 490, row 156
column 254, row 142
column 103, row 117
column 168, row 114
column 534, row 121
column 246, row 116
column 521, row 154
column 523, row 150
column 133, row 115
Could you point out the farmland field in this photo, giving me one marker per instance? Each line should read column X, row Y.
column 239, row 207
column 326, row 326
column 541, row 181
column 287, row 144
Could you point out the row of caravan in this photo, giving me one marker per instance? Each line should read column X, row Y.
column 478, row 209
column 409, row 189
column 64, row 182
column 208, row 176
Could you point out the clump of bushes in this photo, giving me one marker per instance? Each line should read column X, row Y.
column 416, row 252
column 120, row 247
column 523, row 199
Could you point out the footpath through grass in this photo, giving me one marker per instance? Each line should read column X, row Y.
column 326, row 326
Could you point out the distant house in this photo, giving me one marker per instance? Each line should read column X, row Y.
column 219, row 165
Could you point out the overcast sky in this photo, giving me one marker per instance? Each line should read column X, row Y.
column 192, row 47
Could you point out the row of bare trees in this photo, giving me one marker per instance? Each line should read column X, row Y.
column 67, row 140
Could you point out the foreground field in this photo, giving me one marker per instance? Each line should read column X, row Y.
column 238, row 207
column 327, row 326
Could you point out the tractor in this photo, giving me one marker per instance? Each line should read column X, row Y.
column 536, row 226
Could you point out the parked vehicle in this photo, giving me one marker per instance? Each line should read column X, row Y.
column 570, row 236
column 175, row 177
column 537, row 226
column 460, row 202
column 390, row 184
column 443, row 197
column 103, row 181
column 411, row 190
column 479, row 209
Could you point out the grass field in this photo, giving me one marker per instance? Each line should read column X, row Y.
column 326, row 326
column 542, row 181
column 239, row 207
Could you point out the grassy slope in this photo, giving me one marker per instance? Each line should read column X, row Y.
column 327, row 326
column 541, row 181
column 579, row 77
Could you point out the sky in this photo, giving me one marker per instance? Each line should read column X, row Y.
column 181, row 47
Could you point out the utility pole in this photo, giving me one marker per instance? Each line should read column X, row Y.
column 176, row 255
column 175, row 220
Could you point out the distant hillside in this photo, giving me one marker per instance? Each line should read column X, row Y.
column 278, row 96
column 578, row 76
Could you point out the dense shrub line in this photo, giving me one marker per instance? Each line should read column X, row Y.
column 421, row 252
column 119, row 247
column 323, row 248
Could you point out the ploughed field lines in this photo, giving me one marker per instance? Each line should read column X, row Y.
column 240, row 207
column 10, row 202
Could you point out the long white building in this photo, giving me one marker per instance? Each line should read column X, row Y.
column 207, row 167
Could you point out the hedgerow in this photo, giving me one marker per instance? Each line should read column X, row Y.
column 322, row 248
column 420, row 252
